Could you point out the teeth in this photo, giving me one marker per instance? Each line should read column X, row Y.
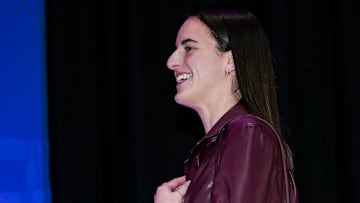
column 184, row 76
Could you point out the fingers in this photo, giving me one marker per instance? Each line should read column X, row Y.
column 183, row 188
column 176, row 182
column 172, row 191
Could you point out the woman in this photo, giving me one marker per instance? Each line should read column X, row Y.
column 223, row 69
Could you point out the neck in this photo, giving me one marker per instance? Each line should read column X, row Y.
column 212, row 112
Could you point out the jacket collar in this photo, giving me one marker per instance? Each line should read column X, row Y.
column 235, row 111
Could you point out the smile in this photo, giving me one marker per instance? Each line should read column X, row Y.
column 183, row 76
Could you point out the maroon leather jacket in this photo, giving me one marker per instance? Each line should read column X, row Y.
column 240, row 160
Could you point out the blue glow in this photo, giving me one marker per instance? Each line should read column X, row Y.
column 24, row 173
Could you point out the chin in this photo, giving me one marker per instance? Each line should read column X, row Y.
column 179, row 100
column 183, row 101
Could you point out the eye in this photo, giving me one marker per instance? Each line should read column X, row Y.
column 187, row 48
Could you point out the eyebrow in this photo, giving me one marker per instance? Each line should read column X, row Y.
column 188, row 40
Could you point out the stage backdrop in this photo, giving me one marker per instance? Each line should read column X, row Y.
column 23, row 119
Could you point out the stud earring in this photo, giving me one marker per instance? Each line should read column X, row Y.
column 227, row 70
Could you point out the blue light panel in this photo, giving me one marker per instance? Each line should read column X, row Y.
column 24, row 173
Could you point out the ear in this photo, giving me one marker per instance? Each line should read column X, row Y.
column 230, row 66
column 230, row 58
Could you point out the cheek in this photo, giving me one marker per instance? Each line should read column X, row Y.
column 215, row 64
column 194, row 63
column 207, row 63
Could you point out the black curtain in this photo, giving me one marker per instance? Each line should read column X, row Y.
column 116, row 132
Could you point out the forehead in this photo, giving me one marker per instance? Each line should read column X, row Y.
column 194, row 29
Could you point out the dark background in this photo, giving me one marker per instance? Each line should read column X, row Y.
column 116, row 132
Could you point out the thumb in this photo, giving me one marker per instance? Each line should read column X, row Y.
column 184, row 187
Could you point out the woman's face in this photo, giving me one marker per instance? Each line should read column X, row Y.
column 199, row 67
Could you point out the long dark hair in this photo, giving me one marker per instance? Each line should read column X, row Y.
column 242, row 33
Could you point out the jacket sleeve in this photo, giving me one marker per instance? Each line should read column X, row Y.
column 248, row 167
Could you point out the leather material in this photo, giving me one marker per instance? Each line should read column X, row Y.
column 240, row 160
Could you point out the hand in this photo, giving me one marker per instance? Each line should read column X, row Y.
column 172, row 191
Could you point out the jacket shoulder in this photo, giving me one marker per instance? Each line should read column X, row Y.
column 251, row 123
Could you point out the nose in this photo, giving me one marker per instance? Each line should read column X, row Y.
column 174, row 60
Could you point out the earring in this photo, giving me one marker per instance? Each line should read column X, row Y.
column 227, row 70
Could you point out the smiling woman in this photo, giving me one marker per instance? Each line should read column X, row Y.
column 198, row 60
column 224, row 71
